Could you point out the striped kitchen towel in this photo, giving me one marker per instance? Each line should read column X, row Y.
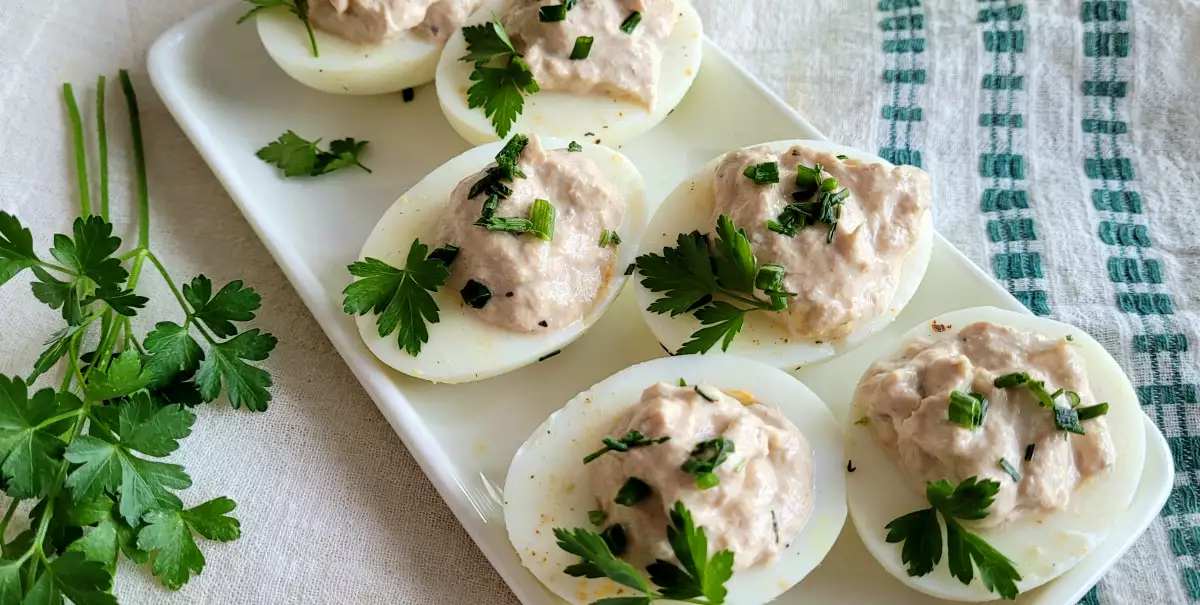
column 1063, row 137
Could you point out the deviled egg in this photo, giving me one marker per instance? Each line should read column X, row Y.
column 603, row 70
column 665, row 452
column 503, row 255
column 362, row 47
column 787, row 252
column 1021, row 433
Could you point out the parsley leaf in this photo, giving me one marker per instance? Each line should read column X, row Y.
column 232, row 303
column 684, row 273
column 296, row 7
column 735, row 261
column 124, row 302
column 73, row 577
column 921, row 536
column 244, row 384
column 597, row 560
column 298, row 156
column 723, row 321
column 58, row 294
column 89, row 253
column 497, row 89
column 16, row 247
column 700, row 576
column 122, row 377
column 705, row 458
column 29, row 447
column 400, row 297
column 172, row 350
column 168, row 536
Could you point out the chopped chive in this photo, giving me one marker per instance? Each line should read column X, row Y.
column 682, row 382
column 1008, row 468
column 541, row 214
column 741, row 466
column 763, row 174
column 1067, row 419
column 704, row 460
column 1011, row 380
column 574, row 147
column 842, row 157
column 614, row 537
column 408, row 94
column 634, row 491
column 549, row 355
column 701, row 391
column 583, row 48
column 597, row 517
column 552, row 13
column 775, row 526
column 631, row 22
column 632, row 439
column 570, row 4
column 1092, row 411
column 507, row 224
column 864, row 421
column 1029, row 452
column 808, row 179
column 829, row 184
column 967, row 410
column 609, row 238
column 446, row 254
column 1038, row 388
column 1070, row 338
column 1073, row 398
column 630, row 269
column 475, row 294
column 770, row 277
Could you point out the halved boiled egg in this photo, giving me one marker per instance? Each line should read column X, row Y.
column 1041, row 542
column 402, row 60
column 775, row 498
column 592, row 116
column 690, row 207
column 542, row 292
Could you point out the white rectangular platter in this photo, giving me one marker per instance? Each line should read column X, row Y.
column 230, row 99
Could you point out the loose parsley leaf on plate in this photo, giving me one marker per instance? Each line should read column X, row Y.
column 400, row 297
column 298, row 156
column 498, row 89
column 921, row 536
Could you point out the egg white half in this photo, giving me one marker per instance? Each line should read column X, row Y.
column 1041, row 547
column 569, row 115
column 548, row 485
column 688, row 209
column 461, row 347
column 343, row 67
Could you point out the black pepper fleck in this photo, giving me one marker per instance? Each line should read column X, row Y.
column 508, row 294
column 589, row 134
column 850, row 466
column 543, row 323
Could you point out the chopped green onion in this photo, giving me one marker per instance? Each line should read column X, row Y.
column 1067, row 419
column 634, row 491
column 842, row 157
column 707, row 480
column 682, row 382
column 967, row 410
column 829, row 184
column 704, row 460
column 541, row 214
column 489, row 207
column 597, row 517
column 770, row 277
column 1070, row 338
column 775, row 526
column 583, row 48
column 609, row 238
column 1008, row 468
column 446, row 254
column 763, row 174
column 1073, row 399
column 408, row 94
column 475, row 294
column 614, row 537
column 1092, row 411
column 703, row 392
column 1029, row 452
column 808, row 179
column 506, row 160
column 1038, row 388
column 574, row 147
column 552, row 13
column 507, row 224
column 1011, row 380
column 631, row 22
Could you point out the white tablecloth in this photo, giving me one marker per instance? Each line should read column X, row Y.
column 334, row 510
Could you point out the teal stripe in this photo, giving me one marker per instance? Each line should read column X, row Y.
column 903, row 24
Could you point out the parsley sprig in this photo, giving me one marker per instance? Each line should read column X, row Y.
column 296, row 7
column 501, row 76
column 298, row 156
column 692, row 274
column 84, row 451
column 921, row 536
column 697, row 578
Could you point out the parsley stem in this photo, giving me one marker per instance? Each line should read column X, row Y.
column 59, row 268
column 48, row 511
column 139, row 160
column 187, row 311
column 130, row 338
column 758, row 304
column 8, row 515
column 85, row 204
column 102, row 137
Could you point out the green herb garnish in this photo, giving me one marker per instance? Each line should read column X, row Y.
column 400, row 297
column 842, row 157
column 1008, row 381
column 968, row 410
column 631, row 22
column 609, row 238
column 541, row 215
column 298, row 156
column 815, row 201
column 501, row 76
column 632, row 439
column 296, row 7
column 808, row 179
column 1066, row 418
column 475, row 294
column 691, row 274
column 574, row 147
column 446, row 254
column 583, row 48
column 682, row 382
column 552, row 13
column 703, row 392
column 1092, row 411
column 633, row 492
column 775, row 526
column 696, row 579
column 597, row 517
column 1029, row 452
column 763, row 174
column 704, row 460
column 1007, row 467
column 921, row 536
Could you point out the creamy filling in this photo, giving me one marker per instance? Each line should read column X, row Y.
column 537, row 285
column 621, row 65
column 905, row 401
column 372, row 22
column 765, row 494
column 845, row 283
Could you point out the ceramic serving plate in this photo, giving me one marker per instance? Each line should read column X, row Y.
column 231, row 99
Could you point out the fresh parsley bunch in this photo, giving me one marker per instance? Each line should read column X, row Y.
column 692, row 274
column 84, row 451
column 501, row 76
column 697, row 578
column 921, row 536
